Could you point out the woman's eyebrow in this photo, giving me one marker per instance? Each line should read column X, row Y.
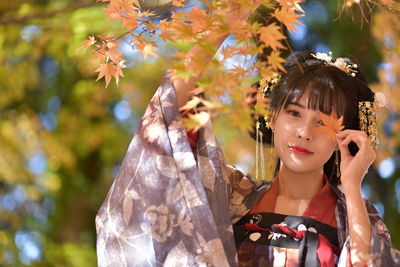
column 297, row 104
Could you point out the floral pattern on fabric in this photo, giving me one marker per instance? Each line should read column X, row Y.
column 171, row 206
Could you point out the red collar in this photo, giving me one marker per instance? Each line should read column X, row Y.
column 321, row 207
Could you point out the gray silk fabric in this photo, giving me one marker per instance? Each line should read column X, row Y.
column 170, row 206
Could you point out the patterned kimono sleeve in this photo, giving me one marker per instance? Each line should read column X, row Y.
column 382, row 252
column 168, row 205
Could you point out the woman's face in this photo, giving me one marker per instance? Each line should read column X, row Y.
column 300, row 147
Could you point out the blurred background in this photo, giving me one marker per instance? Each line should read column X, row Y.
column 63, row 135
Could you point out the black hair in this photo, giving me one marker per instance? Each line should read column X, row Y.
column 330, row 89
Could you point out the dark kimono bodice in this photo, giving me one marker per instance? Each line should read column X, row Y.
column 271, row 239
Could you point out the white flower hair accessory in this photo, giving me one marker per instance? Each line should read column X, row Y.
column 343, row 64
column 323, row 56
column 380, row 100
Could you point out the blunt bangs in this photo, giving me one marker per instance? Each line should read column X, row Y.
column 324, row 92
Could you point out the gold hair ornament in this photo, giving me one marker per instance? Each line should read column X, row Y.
column 367, row 115
column 267, row 86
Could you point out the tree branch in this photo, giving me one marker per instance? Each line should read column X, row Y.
column 388, row 8
column 43, row 15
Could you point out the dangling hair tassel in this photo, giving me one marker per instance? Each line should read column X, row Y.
column 262, row 165
column 257, row 146
column 337, row 164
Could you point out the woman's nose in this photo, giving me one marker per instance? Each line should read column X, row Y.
column 305, row 132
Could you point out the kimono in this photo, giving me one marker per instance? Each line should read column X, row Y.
column 171, row 206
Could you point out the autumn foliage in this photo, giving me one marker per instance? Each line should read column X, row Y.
column 201, row 23
column 254, row 49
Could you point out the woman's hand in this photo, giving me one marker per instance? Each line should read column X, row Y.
column 353, row 168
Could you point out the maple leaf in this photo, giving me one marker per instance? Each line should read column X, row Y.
column 178, row 3
column 118, row 71
column 106, row 70
column 195, row 121
column 148, row 50
column 183, row 31
column 192, row 103
column 112, row 53
column 91, row 41
column 288, row 17
column 387, row 2
column 130, row 23
column 275, row 60
column 271, row 36
column 292, row 4
column 331, row 126
column 198, row 17
column 181, row 71
column 112, row 12
column 166, row 32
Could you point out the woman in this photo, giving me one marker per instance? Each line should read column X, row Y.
column 177, row 205
column 301, row 198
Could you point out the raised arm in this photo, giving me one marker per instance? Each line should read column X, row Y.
column 184, row 88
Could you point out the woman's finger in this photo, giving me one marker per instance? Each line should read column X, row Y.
column 357, row 137
column 344, row 151
column 345, row 133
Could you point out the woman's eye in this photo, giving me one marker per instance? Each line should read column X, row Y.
column 293, row 113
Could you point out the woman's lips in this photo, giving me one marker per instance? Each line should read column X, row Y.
column 300, row 150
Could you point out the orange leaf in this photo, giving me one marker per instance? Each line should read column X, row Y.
column 106, row 70
column 292, row 4
column 109, row 70
column 112, row 12
column 178, row 3
column 146, row 48
column 118, row 71
column 91, row 41
column 331, row 126
column 130, row 23
column 275, row 60
column 271, row 36
column 288, row 17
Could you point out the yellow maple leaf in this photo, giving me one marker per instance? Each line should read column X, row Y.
column 192, row 103
column 195, row 121
column 331, row 126
column 275, row 60
column 149, row 50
